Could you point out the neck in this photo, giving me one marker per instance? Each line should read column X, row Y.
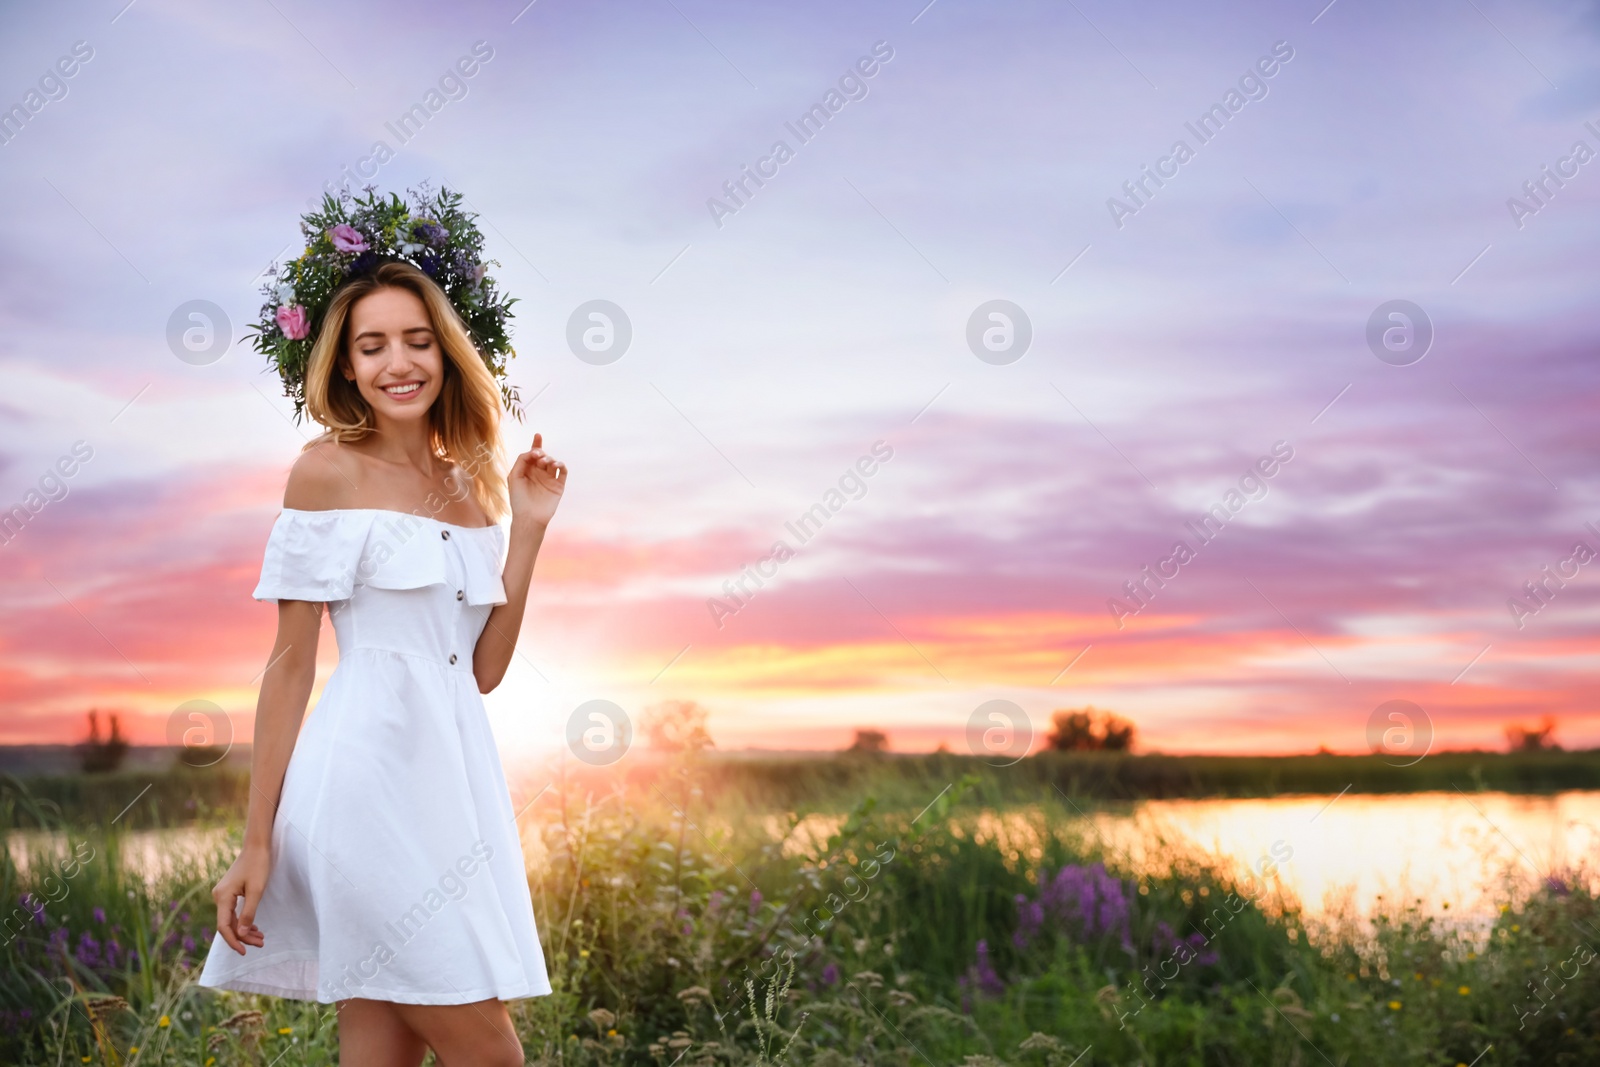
column 404, row 442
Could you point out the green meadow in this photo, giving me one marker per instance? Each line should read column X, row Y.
column 856, row 910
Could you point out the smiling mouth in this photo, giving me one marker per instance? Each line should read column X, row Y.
column 403, row 390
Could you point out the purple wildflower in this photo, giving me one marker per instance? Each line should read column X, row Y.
column 830, row 974
column 1087, row 901
column 981, row 976
column 755, row 901
column 99, row 915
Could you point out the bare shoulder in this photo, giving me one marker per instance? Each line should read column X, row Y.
column 323, row 478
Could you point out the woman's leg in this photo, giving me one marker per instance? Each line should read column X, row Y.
column 465, row 1035
column 373, row 1034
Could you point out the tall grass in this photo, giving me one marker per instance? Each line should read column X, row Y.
column 932, row 927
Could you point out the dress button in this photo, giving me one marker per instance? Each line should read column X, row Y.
column 461, row 594
column 445, row 534
column 452, row 657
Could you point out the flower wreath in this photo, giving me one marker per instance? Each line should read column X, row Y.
column 352, row 235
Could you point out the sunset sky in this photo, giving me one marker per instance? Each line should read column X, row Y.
column 1179, row 335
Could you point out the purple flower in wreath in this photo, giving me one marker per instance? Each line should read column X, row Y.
column 431, row 232
column 346, row 238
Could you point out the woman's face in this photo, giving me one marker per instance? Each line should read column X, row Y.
column 394, row 357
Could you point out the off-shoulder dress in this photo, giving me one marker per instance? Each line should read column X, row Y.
column 397, row 871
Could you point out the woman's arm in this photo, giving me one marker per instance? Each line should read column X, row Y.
column 285, row 688
column 535, row 484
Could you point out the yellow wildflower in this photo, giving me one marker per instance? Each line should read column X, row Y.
column 1464, row 990
column 165, row 1020
column 285, row 1029
column 1394, row 1005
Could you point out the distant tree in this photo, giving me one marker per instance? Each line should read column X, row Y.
column 678, row 726
column 1087, row 730
column 97, row 755
column 1533, row 738
column 870, row 741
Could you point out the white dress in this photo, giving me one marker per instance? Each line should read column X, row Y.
column 397, row 871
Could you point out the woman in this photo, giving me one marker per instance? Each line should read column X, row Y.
column 381, row 868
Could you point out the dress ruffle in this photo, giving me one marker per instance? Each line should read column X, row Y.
column 322, row 556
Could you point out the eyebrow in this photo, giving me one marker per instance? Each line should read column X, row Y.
column 380, row 333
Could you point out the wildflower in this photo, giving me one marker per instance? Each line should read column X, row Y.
column 583, row 953
column 982, row 973
column 1516, row 928
column 1394, row 1005
column 99, row 915
column 164, row 1021
column 830, row 974
column 1464, row 990
column 285, row 1030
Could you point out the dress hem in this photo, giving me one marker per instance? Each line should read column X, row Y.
column 393, row 996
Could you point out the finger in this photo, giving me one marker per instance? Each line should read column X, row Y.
column 225, row 918
column 252, row 897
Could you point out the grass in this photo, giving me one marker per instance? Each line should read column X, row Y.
column 921, row 931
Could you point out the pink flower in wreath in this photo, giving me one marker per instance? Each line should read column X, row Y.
column 293, row 321
column 346, row 238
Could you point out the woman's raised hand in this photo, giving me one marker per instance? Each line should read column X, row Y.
column 535, row 483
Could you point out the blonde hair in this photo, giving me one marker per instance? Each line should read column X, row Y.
column 465, row 418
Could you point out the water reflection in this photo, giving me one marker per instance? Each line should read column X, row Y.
column 1459, row 853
